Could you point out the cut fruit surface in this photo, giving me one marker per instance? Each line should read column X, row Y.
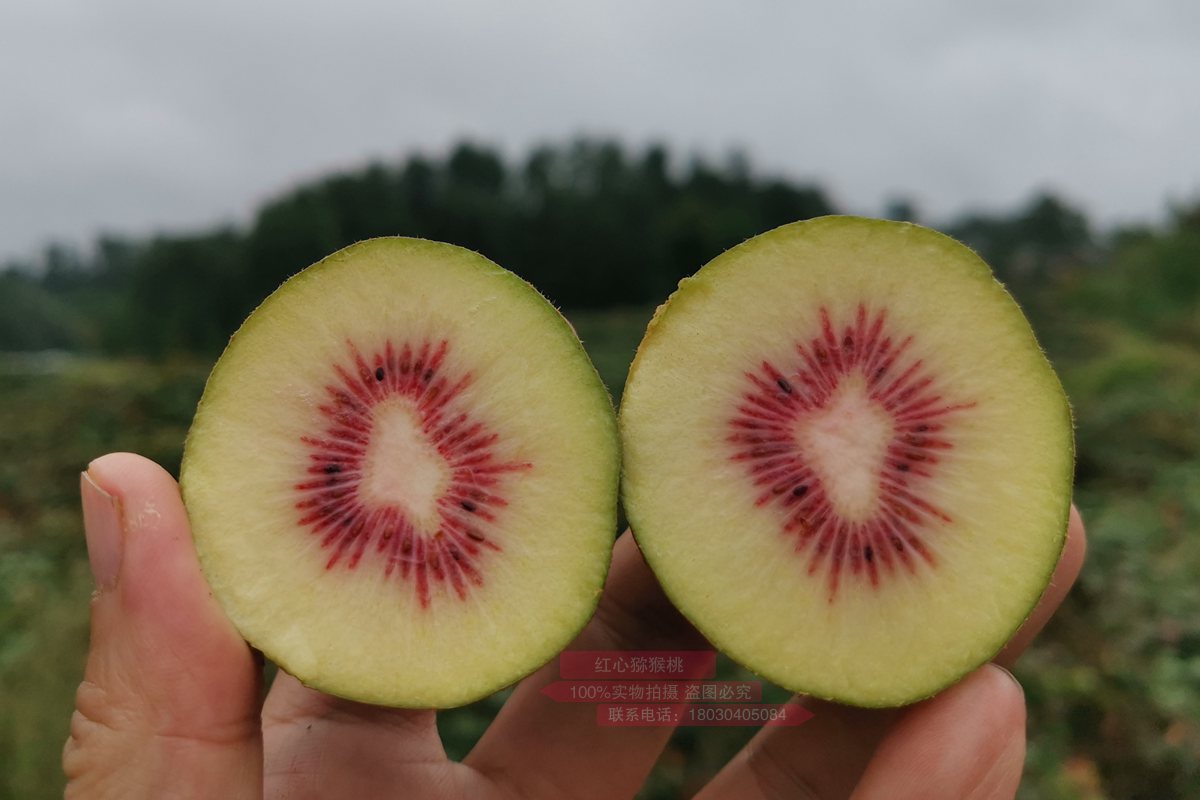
column 846, row 458
column 402, row 476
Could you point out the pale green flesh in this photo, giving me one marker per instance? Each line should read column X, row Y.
column 360, row 632
column 1002, row 485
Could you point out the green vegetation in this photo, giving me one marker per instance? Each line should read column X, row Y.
column 591, row 225
column 1114, row 682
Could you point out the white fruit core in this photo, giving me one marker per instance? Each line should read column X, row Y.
column 845, row 442
column 402, row 468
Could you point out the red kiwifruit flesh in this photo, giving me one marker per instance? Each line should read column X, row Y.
column 349, row 499
column 865, row 523
column 847, row 460
column 402, row 476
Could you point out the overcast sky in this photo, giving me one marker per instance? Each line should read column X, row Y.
column 138, row 115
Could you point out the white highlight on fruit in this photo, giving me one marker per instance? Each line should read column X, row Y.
column 845, row 442
column 401, row 467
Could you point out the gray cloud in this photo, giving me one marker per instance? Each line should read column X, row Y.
column 132, row 115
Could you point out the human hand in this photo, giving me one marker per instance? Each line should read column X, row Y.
column 171, row 703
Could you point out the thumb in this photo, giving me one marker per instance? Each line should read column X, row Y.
column 968, row 742
column 169, row 703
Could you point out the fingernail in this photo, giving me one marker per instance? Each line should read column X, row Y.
column 102, row 527
column 1011, row 677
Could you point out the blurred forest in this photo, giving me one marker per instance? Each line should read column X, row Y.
column 107, row 348
column 591, row 225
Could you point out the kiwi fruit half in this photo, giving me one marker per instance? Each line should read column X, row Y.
column 402, row 476
column 847, row 459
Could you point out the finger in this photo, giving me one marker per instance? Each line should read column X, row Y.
column 823, row 758
column 826, row 755
column 538, row 748
column 968, row 743
column 319, row 746
column 169, row 702
column 1069, row 565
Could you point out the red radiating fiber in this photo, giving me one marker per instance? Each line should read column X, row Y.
column 350, row 526
column 763, row 436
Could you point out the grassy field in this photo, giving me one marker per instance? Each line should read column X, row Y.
column 1113, row 685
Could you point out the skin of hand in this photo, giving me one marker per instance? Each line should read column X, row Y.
column 171, row 704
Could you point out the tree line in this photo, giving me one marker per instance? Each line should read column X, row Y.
column 591, row 223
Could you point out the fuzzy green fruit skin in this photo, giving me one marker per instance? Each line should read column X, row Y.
column 640, row 511
column 600, row 414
